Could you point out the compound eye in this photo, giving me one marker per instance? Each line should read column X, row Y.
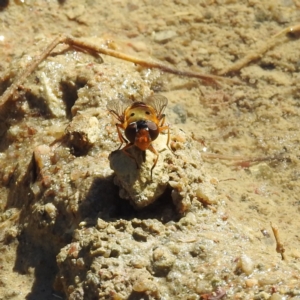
column 130, row 132
column 153, row 130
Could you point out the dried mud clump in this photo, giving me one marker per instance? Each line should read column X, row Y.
column 179, row 169
column 56, row 172
column 123, row 259
column 186, row 259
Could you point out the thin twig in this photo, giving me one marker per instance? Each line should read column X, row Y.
column 28, row 70
column 146, row 63
column 90, row 46
column 241, row 159
column 279, row 246
column 259, row 52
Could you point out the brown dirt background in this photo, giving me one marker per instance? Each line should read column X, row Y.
column 253, row 128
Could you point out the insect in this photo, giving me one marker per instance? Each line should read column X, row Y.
column 142, row 122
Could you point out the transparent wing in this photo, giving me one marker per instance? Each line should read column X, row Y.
column 158, row 102
column 117, row 107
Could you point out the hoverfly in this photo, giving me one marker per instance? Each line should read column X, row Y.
column 141, row 122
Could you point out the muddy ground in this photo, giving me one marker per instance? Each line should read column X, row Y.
column 69, row 229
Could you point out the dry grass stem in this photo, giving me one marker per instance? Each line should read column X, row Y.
column 91, row 47
column 256, row 54
column 279, row 246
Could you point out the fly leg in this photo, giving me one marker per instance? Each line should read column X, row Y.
column 129, row 154
column 162, row 128
column 151, row 148
column 128, row 145
column 121, row 137
column 166, row 127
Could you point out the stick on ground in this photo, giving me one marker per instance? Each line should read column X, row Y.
column 279, row 246
column 256, row 54
column 89, row 46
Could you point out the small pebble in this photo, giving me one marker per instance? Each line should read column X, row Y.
column 164, row 36
column 162, row 261
column 262, row 171
column 199, row 250
column 139, row 262
column 251, row 282
column 262, row 296
column 144, row 285
column 246, row 264
column 42, row 156
column 189, row 219
column 268, row 280
column 101, row 224
column 139, row 234
column 51, row 210
column 276, row 297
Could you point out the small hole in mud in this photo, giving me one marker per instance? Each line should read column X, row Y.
column 37, row 105
column 77, row 147
column 138, row 296
column 267, row 66
column 70, row 95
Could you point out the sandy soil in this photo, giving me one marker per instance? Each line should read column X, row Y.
column 247, row 134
